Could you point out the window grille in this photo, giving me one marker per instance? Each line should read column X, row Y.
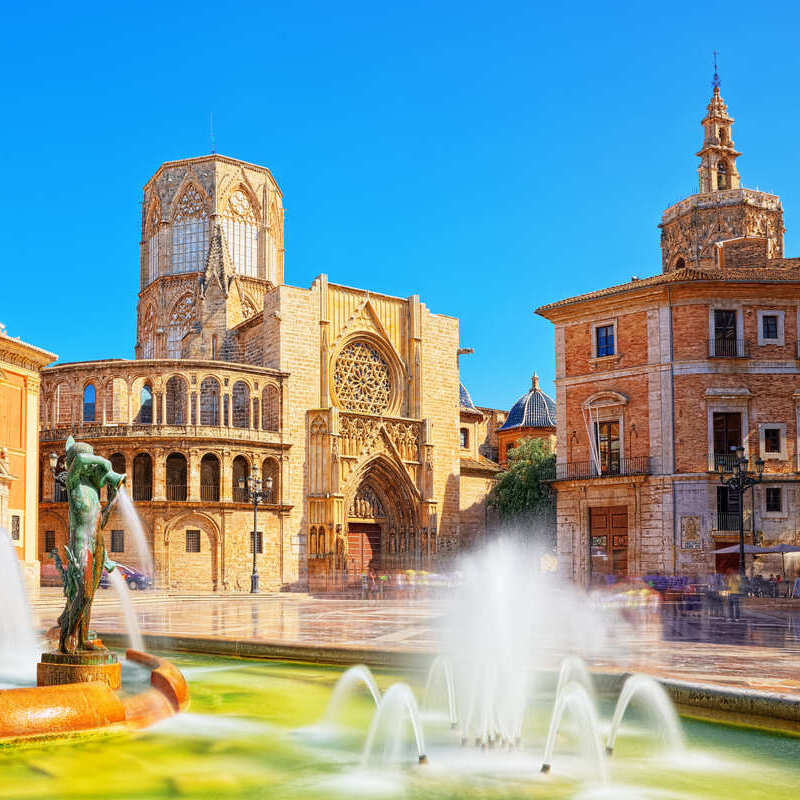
column 192, row 541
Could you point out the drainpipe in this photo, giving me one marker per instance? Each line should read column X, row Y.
column 672, row 436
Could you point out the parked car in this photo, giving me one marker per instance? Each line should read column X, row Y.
column 135, row 578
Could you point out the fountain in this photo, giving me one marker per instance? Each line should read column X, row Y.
column 653, row 695
column 443, row 669
column 350, row 680
column 397, row 706
column 18, row 647
column 117, row 581
column 133, row 524
column 77, row 682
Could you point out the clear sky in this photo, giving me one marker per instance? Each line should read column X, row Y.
column 488, row 157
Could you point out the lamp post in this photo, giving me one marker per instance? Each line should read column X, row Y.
column 740, row 481
column 256, row 495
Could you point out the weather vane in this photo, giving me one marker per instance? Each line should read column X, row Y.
column 715, row 81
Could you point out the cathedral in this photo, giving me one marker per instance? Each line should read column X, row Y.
column 345, row 404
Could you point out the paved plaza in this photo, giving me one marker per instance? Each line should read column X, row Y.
column 762, row 651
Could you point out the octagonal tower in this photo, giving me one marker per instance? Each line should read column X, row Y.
column 211, row 247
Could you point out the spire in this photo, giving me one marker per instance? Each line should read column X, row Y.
column 717, row 171
column 535, row 382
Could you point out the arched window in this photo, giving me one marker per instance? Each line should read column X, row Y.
column 241, row 232
column 270, row 408
column 241, row 472
column 176, row 476
column 190, row 232
column 145, row 415
column 147, row 333
column 118, row 463
column 143, row 477
column 152, row 244
column 89, row 403
column 241, row 405
column 209, row 401
column 209, row 478
column 63, row 406
column 270, row 470
column 464, row 437
column 179, row 322
column 723, row 181
column 175, row 401
column 680, row 263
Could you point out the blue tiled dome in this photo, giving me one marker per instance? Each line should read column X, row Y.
column 464, row 399
column 533, row 410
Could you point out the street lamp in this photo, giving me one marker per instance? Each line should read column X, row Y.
column 256, row 495
column 740, row 481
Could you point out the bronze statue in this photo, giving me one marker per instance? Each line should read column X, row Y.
column 83, row 474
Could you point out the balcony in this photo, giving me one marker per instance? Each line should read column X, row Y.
column 240, row 495
column 210, row 492
column 722, row 347
column 92, row 430
column 142, row 494
column 176, row 492
column 586, row 470
column 728, row 521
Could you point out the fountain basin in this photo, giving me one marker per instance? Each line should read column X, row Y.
column 90, row 706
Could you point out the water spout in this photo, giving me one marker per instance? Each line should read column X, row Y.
column 350, row 680
column 396, row 706
column 18, row 642
column 652, row 694
column 126, row 605
column 574, row 697
column 133, row 524
column 441, row 666
column 573, row 670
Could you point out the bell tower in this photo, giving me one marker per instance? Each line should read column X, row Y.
column 717, row 170
column 722, row 215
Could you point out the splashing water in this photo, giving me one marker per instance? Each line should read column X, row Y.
column 652, row 695
column 19, row 650
column 573, row 670
column 441, row 669
column 133, row 523
column 397, row 707
column 350, row 680
column 575, row 698
column 126, row 605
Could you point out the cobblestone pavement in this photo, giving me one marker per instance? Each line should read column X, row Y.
column 761, row 651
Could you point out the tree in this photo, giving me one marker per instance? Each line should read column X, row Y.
column 522, row 496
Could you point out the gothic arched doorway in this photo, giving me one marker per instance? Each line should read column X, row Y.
column 382, row 520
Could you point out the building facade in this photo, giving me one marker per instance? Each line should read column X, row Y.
column 20, row 366
column 660, row 379
column 347, row 400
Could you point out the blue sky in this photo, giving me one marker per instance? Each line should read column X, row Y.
column 488, row 157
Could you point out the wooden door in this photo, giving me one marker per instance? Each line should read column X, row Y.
column 364, row 548
column 608, row 527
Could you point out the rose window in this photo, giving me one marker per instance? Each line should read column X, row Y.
column 362, row 379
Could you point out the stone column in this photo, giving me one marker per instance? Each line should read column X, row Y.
column 159, row 474
column 226, row 477
column 193, row 477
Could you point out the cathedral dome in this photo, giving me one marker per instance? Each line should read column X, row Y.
column 533, row 410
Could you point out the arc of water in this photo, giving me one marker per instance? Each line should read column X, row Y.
column 573, row 669
column 399, row 701
column 133, row 523
column 576, row 698
column 658, row 701
column 354, row 676
column 129, row 613
column 442, row 665
column 18, row 641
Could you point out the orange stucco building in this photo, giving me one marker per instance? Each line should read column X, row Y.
column 20, row 364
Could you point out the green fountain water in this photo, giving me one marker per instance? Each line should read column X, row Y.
column 253, row 732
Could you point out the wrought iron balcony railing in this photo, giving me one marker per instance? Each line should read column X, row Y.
column 729, row 521
column 722, row 347
column 142, row 494
column 240, row 495
column 209, row 491
column 176, row 491
column 724, row 462
column 584, row 470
